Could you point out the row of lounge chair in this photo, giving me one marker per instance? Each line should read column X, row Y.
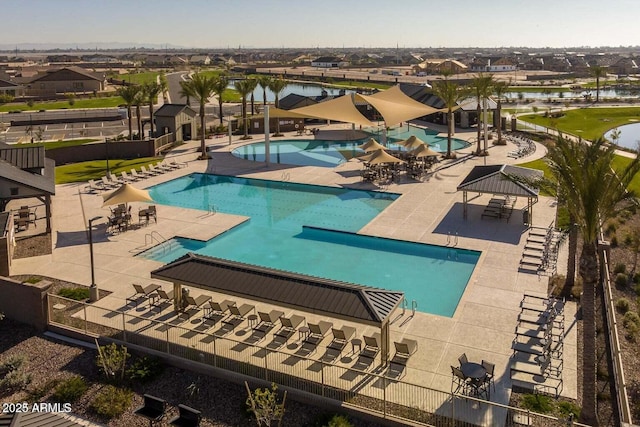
column 111, row 181
column 311, row 335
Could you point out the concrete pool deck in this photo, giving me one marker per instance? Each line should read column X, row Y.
column 428, row 212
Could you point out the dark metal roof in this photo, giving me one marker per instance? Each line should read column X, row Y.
column 355, row 302
column 501, row 179
column 42, row 183
column 36, row 419
column 23, row 157
column 172, row 110
column 67, row 74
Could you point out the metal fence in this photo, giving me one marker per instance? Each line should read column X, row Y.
column 360, row 389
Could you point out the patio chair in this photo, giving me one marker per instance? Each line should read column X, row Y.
column 94, row 186
column 371, row 345
column 196, row 302
column 341, row 337
column 161, row 297
column 107, row 183
column 238, row 313
column 404, row 349
column 459, row 383
column 463, row 359
column 490, row 367
column 268, row 320
column 126, row 177
column 155, row 169
column 187, row 417
column 144, row 291
column 152, row 409
column 317, row 331
column 135, row 175
column 116, row 181
column 147, row 173
column 217, row 308
column 289, row 326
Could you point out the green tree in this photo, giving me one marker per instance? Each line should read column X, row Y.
column 450, row 93
column 277, row 86
column 219, row 86
column 151, row 91
column 481, row 86
column 253, row 83
column 164, row 86
column 244, row 88
column 129, row 95
column 264, row 80
column 598, row 72
column 500, row 90
column 265, row 406
column 594, row 193
column 201, row 88
column 140, row 101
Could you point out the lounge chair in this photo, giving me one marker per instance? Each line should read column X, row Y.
column 94, row 186
column 341, row 337
column 126, row 177
column 113, row 178
column 135, row 175
column 176, row 165
column 164, row 167
column 161, row 296
column 404, row 350
column 317, row 331
column 147, row 173
column 289, row 325
column 187, row 417
column 155, row 169
column 196, row 302
column 217, row 308
column 238, row 313
column 268, row 320
column 152, row 409
column 371, row 345
column 145, row 291
column 106, row 183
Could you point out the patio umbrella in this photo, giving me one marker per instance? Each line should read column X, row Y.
column 424, row 151
column 371, row 145
column 412, row 143
column 125, row 194
column 382, row 156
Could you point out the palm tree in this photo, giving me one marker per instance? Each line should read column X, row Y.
column 151, row 91
column 264, row 81
column 450, row 93
column 500, row 90
column 140, row 100
column 597, row 72
column 220, row 84
column 129, row 95
column 594, row 192
column 245, row 87
column 481, row 87
column 199, row 87
column 277, row 86
column 164, row 87
column 253, row 83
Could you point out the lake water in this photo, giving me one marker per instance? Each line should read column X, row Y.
column 629, row 136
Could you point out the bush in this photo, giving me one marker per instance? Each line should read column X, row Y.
column 621, row 280
column 38, row 393
column 78, row 294
column 620, row 268
column 631, row 318
column 145, row 369
column 15, row 380
column 537, row 403
column 623, row 305
column 611, row 228
column 567, row 408
column 111, row 402
column 111, row 360
column 614, row 241
column 70, row 389
column 13, row 363
column 339, row 421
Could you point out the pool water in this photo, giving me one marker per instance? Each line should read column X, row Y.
column 311, row 230
column 314, row 152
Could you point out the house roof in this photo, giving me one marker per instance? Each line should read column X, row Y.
column 6, row 83
column 37, row 419
column 172, row 110
column 23, row 157
column 66, row 74
column 501, row 179
column 327, row 59
column 294, row 100
column 41, row 183
column 355, row 302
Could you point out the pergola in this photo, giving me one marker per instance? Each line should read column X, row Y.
column 356, row 303
column 503, row 180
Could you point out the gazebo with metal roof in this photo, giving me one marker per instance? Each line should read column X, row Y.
column 506, row 180
column 356, row 303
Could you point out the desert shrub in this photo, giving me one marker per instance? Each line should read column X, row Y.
column 339, row 421
column 621, row 280
column 111, row 360
column 636, row 278
column 623, row 305
column 145, row 369
column 537, row 403
column 15, row 380
column 32, row 280
column 611, row 228
column 78, row 294
column 614, row 241
column 631, row 318
column 70, row 390
column 628, row 240
column 12, row 363
column 620, row 268
column 111, row 402
column 567, row 408
column 37, row 394
column 632, row 332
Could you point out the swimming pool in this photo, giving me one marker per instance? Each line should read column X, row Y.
column 311, row 230
column 323, row 153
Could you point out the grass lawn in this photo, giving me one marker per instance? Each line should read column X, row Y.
column 52, row 145
column 84, row 171
column 138, row 78
column 108, row 102
column 590, row 123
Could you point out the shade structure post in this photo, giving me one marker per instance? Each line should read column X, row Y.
column 267, row 154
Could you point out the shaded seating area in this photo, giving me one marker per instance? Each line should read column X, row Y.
column 147, row 214
column 500, row 207
column 472, row 378
column 23, row 217
column 119, row 219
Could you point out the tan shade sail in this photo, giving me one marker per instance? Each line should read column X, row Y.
column 340, row 109
column 371, row 145
column 382, row 156
column 290, row 114
column 395, row 107
column 127, row 193
column 424, row 151
column 412, row 142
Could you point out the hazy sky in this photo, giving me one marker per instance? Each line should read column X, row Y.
column 324, row 23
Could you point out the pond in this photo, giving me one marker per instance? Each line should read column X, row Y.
column 629, row 135
column 298, row 89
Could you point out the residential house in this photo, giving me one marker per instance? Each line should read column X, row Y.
column 65, row 80
column 200, row 60
column 438, row 66
column 10, row 88
column 328, row 62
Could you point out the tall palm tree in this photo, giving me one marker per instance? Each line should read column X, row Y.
column 220, row 84
column 253, row 83
column 450, row 93
column 277, row 86
column 499, row 90
column 151, row 91
column 481, row 86
column 140, row 100
column 199, row 87
column 244, row 87
column 264, row 80
column 597, row 72
column 164, row 86
column 594, row 193
column 129, row 95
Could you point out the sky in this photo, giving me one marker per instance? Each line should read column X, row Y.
column 323, row 23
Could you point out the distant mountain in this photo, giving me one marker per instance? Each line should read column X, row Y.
column 85, row 46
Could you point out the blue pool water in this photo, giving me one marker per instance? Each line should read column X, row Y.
column 314, row 152
column 310, row 230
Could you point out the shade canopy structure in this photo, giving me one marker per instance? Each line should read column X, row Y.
column 371, row 145
column 412, row 143
column 290, row 114
column 382, row 156
column 424, row 151
column 395, row 107
column 127, row 193
column 341, row 109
